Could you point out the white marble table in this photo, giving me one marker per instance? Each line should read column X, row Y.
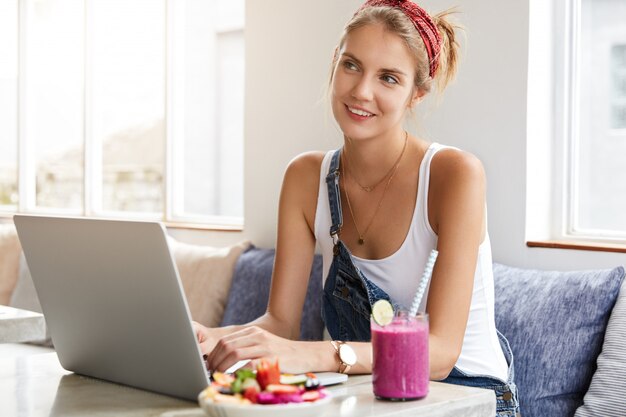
column 17, row 326
column 36, row 385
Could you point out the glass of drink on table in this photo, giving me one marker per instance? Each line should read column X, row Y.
column 400, row 368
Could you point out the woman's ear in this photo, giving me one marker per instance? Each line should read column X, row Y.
column 416, row 96
column 336, row 53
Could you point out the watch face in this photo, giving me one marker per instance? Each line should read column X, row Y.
column 347, row 355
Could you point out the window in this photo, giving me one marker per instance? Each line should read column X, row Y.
column 123, row 108
column 580, row 121
column 597, row 138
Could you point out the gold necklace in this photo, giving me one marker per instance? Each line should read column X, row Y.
column 372, row 187
column 380, row 202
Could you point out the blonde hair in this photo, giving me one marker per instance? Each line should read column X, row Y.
column 396, row 22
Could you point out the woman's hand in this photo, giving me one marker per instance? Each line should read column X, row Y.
column 206, row 337
column 254, row 343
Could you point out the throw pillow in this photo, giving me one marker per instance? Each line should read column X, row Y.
column 10, row 250
column 555, row 323
column 605, row 397
column 250, row 291
column 206, row 274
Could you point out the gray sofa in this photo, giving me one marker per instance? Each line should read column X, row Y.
column 556, row 323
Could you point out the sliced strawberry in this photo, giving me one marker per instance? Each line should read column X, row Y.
column 267, row 373
column 251, row 393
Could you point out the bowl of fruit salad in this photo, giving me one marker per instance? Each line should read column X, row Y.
column 263, row 392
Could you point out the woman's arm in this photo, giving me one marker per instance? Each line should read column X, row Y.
column 295, row 245
column 457, row 213
column 294, row 256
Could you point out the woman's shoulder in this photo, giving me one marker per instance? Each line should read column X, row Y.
column 302, row 175
column 301, row 184
column 453, row 164
column 307, row 160
column 457, row 188
column 306, row 164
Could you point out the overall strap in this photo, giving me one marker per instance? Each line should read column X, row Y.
column 334, row 199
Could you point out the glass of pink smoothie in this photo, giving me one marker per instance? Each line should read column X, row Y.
column 400, row 370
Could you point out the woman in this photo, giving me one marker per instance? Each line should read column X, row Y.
column 404, row 197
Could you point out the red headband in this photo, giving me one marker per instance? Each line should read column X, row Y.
column 423, row 23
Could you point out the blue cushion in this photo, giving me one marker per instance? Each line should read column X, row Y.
column 555, row 323
column 249, row 292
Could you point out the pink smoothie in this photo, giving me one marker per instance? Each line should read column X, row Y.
column 400, row 368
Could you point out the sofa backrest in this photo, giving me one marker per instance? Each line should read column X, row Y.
column 249, row 292
column 555, row 323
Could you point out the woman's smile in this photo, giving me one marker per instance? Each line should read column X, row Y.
column 359, row 114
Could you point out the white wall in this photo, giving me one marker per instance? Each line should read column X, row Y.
column 288, row 51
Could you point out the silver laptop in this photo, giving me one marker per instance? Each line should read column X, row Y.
column 113, row 301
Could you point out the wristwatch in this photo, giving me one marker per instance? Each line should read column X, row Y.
column 345, row 354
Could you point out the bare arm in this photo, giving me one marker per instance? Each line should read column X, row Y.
column 295, row 248
column 294, row 256
column 456, row 211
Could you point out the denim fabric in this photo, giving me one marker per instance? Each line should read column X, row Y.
column 332, row 182
column 348, row 297
column 507, row 401
column 250, row 288
column 555, row 323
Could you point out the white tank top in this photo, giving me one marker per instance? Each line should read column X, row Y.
column 399, row 274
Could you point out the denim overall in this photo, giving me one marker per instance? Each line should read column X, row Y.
column 349, row 295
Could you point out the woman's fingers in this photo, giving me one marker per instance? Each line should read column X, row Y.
column 200, row 331
column 251, row 352
column 229, row 344
column 249, row 343
column 206, row 338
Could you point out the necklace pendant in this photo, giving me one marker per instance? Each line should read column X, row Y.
column 367, row 189
column 361, row 241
